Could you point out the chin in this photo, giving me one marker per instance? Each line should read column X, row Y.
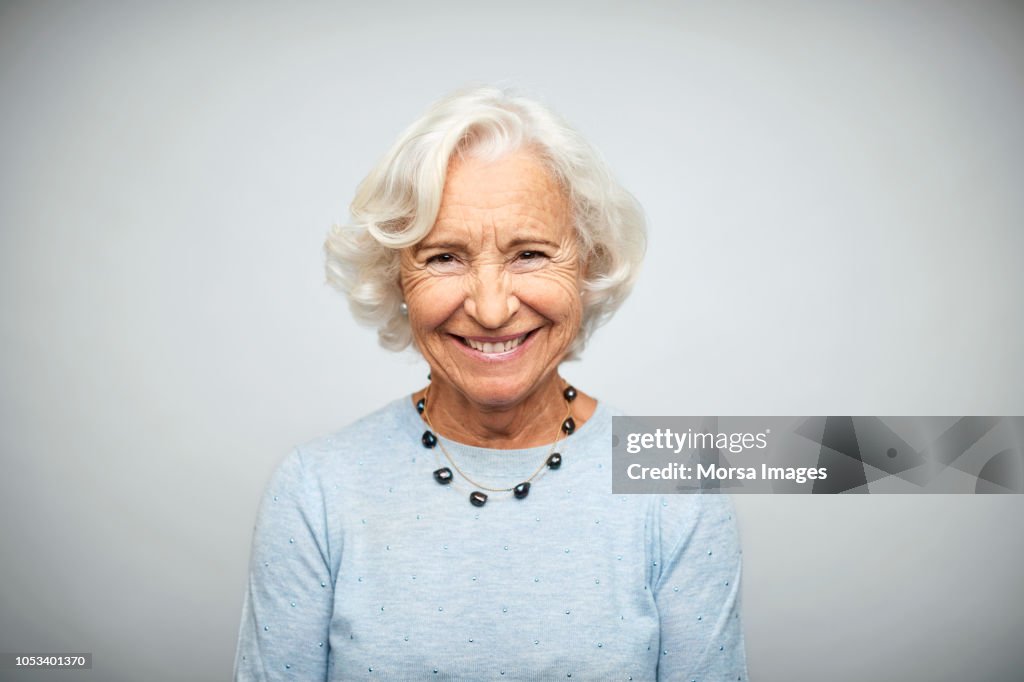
column 499, row 392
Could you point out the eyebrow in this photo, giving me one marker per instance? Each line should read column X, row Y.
column 458, row 246
column 521, row 241
column 423, row 246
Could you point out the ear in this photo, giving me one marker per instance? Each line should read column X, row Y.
column 398, row 276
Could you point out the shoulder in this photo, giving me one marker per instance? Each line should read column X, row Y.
column 366, row 438
column 698, row 525
column 605, row 409
column 599, row 423
column 365, row 434
column 609, row 410
column 702, row 514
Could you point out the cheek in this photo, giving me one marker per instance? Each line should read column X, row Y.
column 431, row 300
column 555, row 296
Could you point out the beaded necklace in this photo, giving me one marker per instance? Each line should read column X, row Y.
column 478, row 498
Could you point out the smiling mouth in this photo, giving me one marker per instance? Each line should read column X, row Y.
column 495, row 347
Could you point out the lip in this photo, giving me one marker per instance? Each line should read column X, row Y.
column 495, row 357
column 497, row 339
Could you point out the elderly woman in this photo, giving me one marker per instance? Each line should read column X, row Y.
column 468, row 531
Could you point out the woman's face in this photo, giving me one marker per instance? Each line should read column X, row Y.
column 494, row 289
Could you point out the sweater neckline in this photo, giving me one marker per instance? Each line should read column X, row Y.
column 518, row 462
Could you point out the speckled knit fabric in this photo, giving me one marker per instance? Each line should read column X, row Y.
column 364, row 567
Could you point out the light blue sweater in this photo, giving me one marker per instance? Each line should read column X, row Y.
column 364, row 567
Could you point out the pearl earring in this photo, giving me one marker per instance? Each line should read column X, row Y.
column 403, row 307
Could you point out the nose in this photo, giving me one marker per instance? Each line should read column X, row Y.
column 491, row 300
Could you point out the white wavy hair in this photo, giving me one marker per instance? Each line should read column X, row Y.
column 396, row 206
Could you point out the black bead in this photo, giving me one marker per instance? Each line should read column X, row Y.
column 428, row 376
column 429, row 439
column 477, row 498
column 569, row 426
column 521, row 490
column 569, row 394
column 554, row 461
column 443, row 475
column 421, row 405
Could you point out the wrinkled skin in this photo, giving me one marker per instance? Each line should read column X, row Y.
column 501, row 261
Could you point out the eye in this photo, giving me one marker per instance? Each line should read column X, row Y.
column 446, row 263
column 528, row 261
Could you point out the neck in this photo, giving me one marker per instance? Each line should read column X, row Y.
column 534, row 421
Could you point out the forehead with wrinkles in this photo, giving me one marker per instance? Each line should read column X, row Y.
column 511, row 197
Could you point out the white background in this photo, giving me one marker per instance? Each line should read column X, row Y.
column 835, row 199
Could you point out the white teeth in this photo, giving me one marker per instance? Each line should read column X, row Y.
column 499, row 347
